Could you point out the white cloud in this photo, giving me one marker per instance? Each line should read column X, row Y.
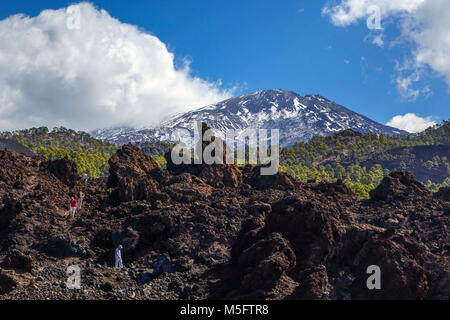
column 106, row 73
column 378, row 40
column 350, row 11
column 406, row 88
column 424, row 23
column 430, row 30
column 411, row 122
column 408, row 80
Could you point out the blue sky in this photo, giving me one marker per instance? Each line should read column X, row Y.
column 253, row 45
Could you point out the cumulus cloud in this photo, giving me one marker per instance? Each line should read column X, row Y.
column 411, row 122
column 91, row 71
column 424, row 23
column 429, row 28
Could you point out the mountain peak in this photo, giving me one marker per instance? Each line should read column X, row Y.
column 298, row 118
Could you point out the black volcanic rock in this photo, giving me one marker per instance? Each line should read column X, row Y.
column 313, row 284
column 130, row 174
column 215, row 174
column 64, row 169
column 129, row 162
column 444, row 193
column 265, row 262
column 401, row 262
column 18, row 261
column 190, row 236
column 398, row 184
column 7, row 283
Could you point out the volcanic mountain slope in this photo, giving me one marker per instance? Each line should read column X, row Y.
column 415, row 159
column 298, row 118
column 343, row 154
column 220, row 231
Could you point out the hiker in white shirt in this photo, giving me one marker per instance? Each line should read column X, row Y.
column 118, row 257
column 80, row 200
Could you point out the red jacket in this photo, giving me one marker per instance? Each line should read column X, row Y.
column 73, row 203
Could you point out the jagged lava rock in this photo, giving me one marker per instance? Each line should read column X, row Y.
column 130, row 175
column 399, row 184
column 246, row 237
column 64, row 169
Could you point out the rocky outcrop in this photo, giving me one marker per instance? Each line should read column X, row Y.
column 217, row 175
column 221, row 175
column 313, row 227
column 313, row 284
column 130, row 175
column 128, row 163
column 17, row 260
column 277, row 181
column 7, row 283
column 60, row 247
column 335, row 189
column 401, row 261
column 398, row 185
column 65, row 170
column 265, row 262
column 259, row 268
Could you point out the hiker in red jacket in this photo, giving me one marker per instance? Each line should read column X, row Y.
column 73, row 207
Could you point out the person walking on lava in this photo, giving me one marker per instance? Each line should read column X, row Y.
column 73, row 207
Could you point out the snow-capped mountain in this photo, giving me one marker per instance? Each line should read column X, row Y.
column 298, row 119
